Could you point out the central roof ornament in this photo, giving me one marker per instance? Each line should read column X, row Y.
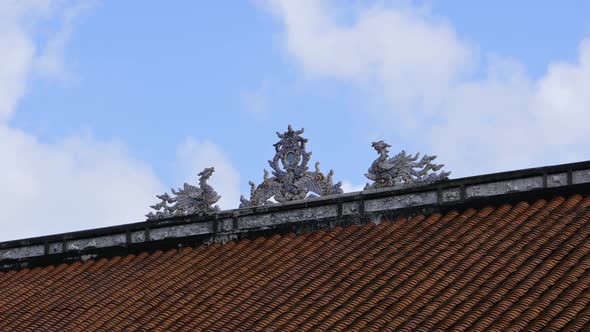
column 291, row 180
column 402, row 170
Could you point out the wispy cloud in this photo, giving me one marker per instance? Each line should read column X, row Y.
column 50, row 60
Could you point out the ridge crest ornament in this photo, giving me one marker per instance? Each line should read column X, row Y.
column 402, row 170
column 291, row 179
column 188, row 200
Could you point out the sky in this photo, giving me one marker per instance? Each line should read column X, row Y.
column 104, row 104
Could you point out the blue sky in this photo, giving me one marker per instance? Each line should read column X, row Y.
column 112, row 102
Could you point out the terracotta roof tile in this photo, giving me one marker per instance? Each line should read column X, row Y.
column 522, row 267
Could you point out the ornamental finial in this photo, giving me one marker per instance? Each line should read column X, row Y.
column 188, row 200
column 291, row 179
column 402, row 170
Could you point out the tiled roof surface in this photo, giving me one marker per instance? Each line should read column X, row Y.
column 523, row 266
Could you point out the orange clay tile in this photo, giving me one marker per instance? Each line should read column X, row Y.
column 521, row 267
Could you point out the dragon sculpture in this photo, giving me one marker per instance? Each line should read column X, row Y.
column 188, row 200
column 292, row 181
column 402, row 170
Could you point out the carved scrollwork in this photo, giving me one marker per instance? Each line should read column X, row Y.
column 402, row 170
column 291, row 179
column 187, row 201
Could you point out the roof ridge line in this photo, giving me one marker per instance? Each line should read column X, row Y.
column 298, row 216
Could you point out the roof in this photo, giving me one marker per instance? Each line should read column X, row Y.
column 520, row 260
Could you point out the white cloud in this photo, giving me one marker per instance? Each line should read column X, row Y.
column 77, row 182
column 501, row 121
column 50, row 60
column 562, row 97
column 73, row 183
column 349, row 187
column 195, row 155
column 15, row 63
column 22, row 54
column 383, row 44
column 509, row 120
column 69, row 185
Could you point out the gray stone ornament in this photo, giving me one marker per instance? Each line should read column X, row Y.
column 402, row 170
column 291, row 179
column 189, row 200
